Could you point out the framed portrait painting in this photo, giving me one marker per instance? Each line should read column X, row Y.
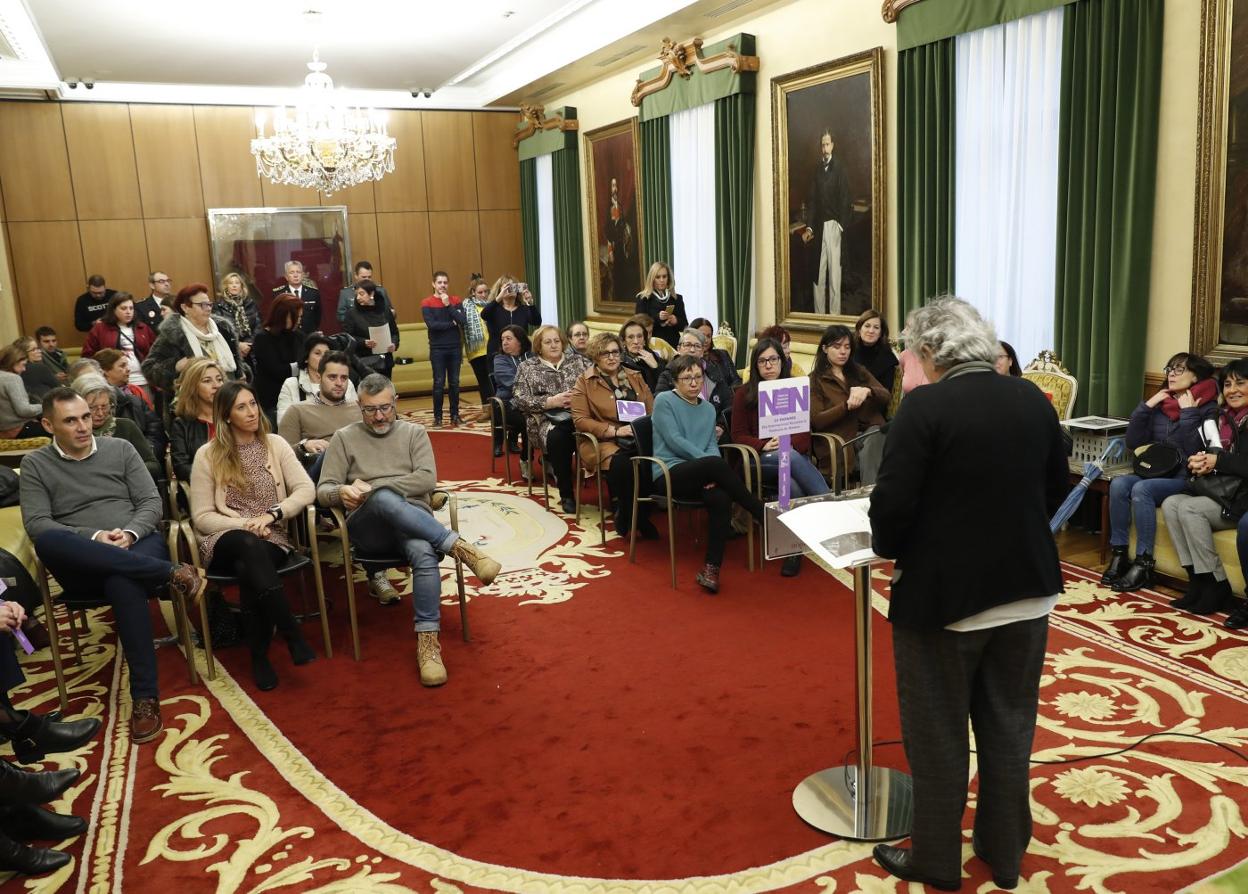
column 1220, row 261
column 613, row 169
column 828, row 185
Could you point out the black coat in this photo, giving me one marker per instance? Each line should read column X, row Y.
column 973, row 468
column 311, row 296
column 271, row 358
column 186, row 436
column 652, row 304
column 130, row 406
column 160, row 367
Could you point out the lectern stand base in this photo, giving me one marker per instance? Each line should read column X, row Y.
column 828, row 800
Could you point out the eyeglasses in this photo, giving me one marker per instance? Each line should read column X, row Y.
column 201, row 304
column 160, row 280
column 689, row 380
column 379, row 410
column 1176, row 370
column 690, row 344
column 768, row 361
column 615, row 353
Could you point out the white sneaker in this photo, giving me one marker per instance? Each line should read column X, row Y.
column 380, row 588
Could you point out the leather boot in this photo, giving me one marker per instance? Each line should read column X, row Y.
column 259, row 633
column 485, row 568
column 1117, row 567
column 1239, row 615
column 19, row 786
column 429, row 659
column 19, row 858
column 1215, row 597
column 32, row 823
column 708, row 578
column 1195, row 583
column 35, row 736
column 278, row 609
column 1138, row 576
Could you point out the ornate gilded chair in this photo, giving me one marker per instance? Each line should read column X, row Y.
column 725, row 340
column 662, row 348
column 1055, row 380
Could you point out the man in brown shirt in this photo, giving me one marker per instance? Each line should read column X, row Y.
column 309, row 425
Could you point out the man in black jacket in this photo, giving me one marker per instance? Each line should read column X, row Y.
column 973, row 468
column 306, row 292
column 91, row 304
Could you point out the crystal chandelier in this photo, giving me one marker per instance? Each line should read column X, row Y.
column 323, row 145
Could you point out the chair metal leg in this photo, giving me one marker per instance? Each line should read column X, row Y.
column 314, row 546
column 671, row 537
column 350, row 575
column 54, row 634
column 459, row 574
column 206, row 632
column 73, row 632
column 632, row 534
column 576, row 477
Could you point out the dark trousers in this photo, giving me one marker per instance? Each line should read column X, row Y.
column 689, row 482
column 481, row 367
column 446, row 363
column 993, row 677
column 254, row 562
column 10, row 673
column 516, row 428
column 560, row 442
column 126, row 578
column 619, row 475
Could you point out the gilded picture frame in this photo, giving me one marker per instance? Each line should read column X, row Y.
column 613, row 178
column 830, row 204
column 1220, row 247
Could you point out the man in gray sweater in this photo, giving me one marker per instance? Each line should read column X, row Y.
column 391, row 473
column 92, row 512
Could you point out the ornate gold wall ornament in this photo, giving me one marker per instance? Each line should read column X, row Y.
column 681, row 58
column 892, row 8
column 534, row 120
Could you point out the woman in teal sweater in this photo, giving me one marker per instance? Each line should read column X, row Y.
column 684, row 438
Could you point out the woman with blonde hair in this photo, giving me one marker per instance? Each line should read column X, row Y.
column 661, row 302
column 235, row 304
column 192, row 426
column 245, row 483
column 476, row 339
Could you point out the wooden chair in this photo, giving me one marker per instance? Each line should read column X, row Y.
column 1055, row 380
column 644, row 432
column 577, row 474
column 372, row 563
column 895, row 400
column 78, row 603
column 498, row 426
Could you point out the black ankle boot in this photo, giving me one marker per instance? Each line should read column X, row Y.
column 1239, row 615
column 1197, row 583
column 19, row 858
column 1138, row 576
column 35, row 736
column 259, row 633
column 277, row 609
column 1215, row 597
column 1117, row 567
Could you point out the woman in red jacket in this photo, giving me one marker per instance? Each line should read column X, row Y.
column 118, row 329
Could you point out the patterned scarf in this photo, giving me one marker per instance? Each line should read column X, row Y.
column 474, row 338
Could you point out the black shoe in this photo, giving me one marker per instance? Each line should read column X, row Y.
column 1138, row 576
column 1117, row 567
column 437, row 423
column 16, row 857
column 568, row 505
column 34, row 736
column 263, row 673
column 1006, row 882
column 19, row 786
column 896, row 860
column 33, row 823
column 498, row 449
column 456, row 420
column 300, row 651
column 1239, row 616
column 646, row 530
column 1214, row 599
column 622, row 525
column 792, row 566
column 1196, row 584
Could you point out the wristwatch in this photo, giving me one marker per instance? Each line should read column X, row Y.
column 276, row 512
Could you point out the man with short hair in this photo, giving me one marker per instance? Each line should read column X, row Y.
column 92, row 512
column 307, row 426
column 92, row 303
column 160, row 289
column 346, row 297
column 389, row 464
column 827, row 216
column 444, row 318
column 306, row 292
column 53, row 357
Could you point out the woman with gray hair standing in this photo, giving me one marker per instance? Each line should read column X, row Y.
column 970, row 595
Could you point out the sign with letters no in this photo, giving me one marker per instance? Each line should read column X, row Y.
column 783, row 410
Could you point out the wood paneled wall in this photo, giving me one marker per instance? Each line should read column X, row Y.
column 122, row 189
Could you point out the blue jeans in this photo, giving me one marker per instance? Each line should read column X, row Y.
column 446, row 363
column 126, row 578
column 805, row 480
column 387, row 523
column 1134, row 498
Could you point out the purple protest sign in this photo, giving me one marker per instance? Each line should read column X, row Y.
column 783, row 410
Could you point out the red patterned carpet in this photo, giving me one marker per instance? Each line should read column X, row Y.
column 602, row 730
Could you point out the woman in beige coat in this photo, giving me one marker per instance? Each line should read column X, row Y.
column 245, row 483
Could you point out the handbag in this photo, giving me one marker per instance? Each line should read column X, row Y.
column 557, row 416
column 1157, row 460
column 1225, row 490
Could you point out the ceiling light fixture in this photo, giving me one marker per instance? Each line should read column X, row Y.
column 323, row 145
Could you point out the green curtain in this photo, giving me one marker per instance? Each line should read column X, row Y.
column 1111, row 86
column 926, row 105
column 569, row 244
column 734, row 217
column 656, row 192
column 528, row 227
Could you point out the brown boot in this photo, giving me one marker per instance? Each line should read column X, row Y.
column 485, row 568
column 187, row 584
column 429, row 659
column 437, row 500
column 708, row 578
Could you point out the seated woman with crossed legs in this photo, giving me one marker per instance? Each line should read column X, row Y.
column 685, row 439
column 244, row 483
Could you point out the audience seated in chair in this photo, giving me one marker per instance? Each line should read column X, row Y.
column 717, row 356
column 543, row 392
column 189, row 332
column 782, row 335
column 92, row 512
column 872, row 350
column 578, row 338
column 38, row 377
column 381, row 471
column 101, row 397
column 715, row 388
column 19, row 415
column 515, row 351
column 305, row 382
column 634, row 336
column 768, row 361
column 193, row 421
column 595, row 411
column 847, row 401
column 120, row 330
column 133, row 402
column 307, row 426
column 1172, row 417
column 245, row 484
column 685, row 438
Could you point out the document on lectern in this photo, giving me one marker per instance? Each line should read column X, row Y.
column 839, row 531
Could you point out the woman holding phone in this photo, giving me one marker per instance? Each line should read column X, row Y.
column 663, row 304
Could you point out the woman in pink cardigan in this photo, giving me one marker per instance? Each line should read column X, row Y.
column 245, row 484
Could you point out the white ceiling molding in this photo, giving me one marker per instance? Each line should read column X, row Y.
column 267, row 97
column 29, row 67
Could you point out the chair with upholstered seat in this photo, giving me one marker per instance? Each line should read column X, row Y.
column 1055, row 380
column 373, row 563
